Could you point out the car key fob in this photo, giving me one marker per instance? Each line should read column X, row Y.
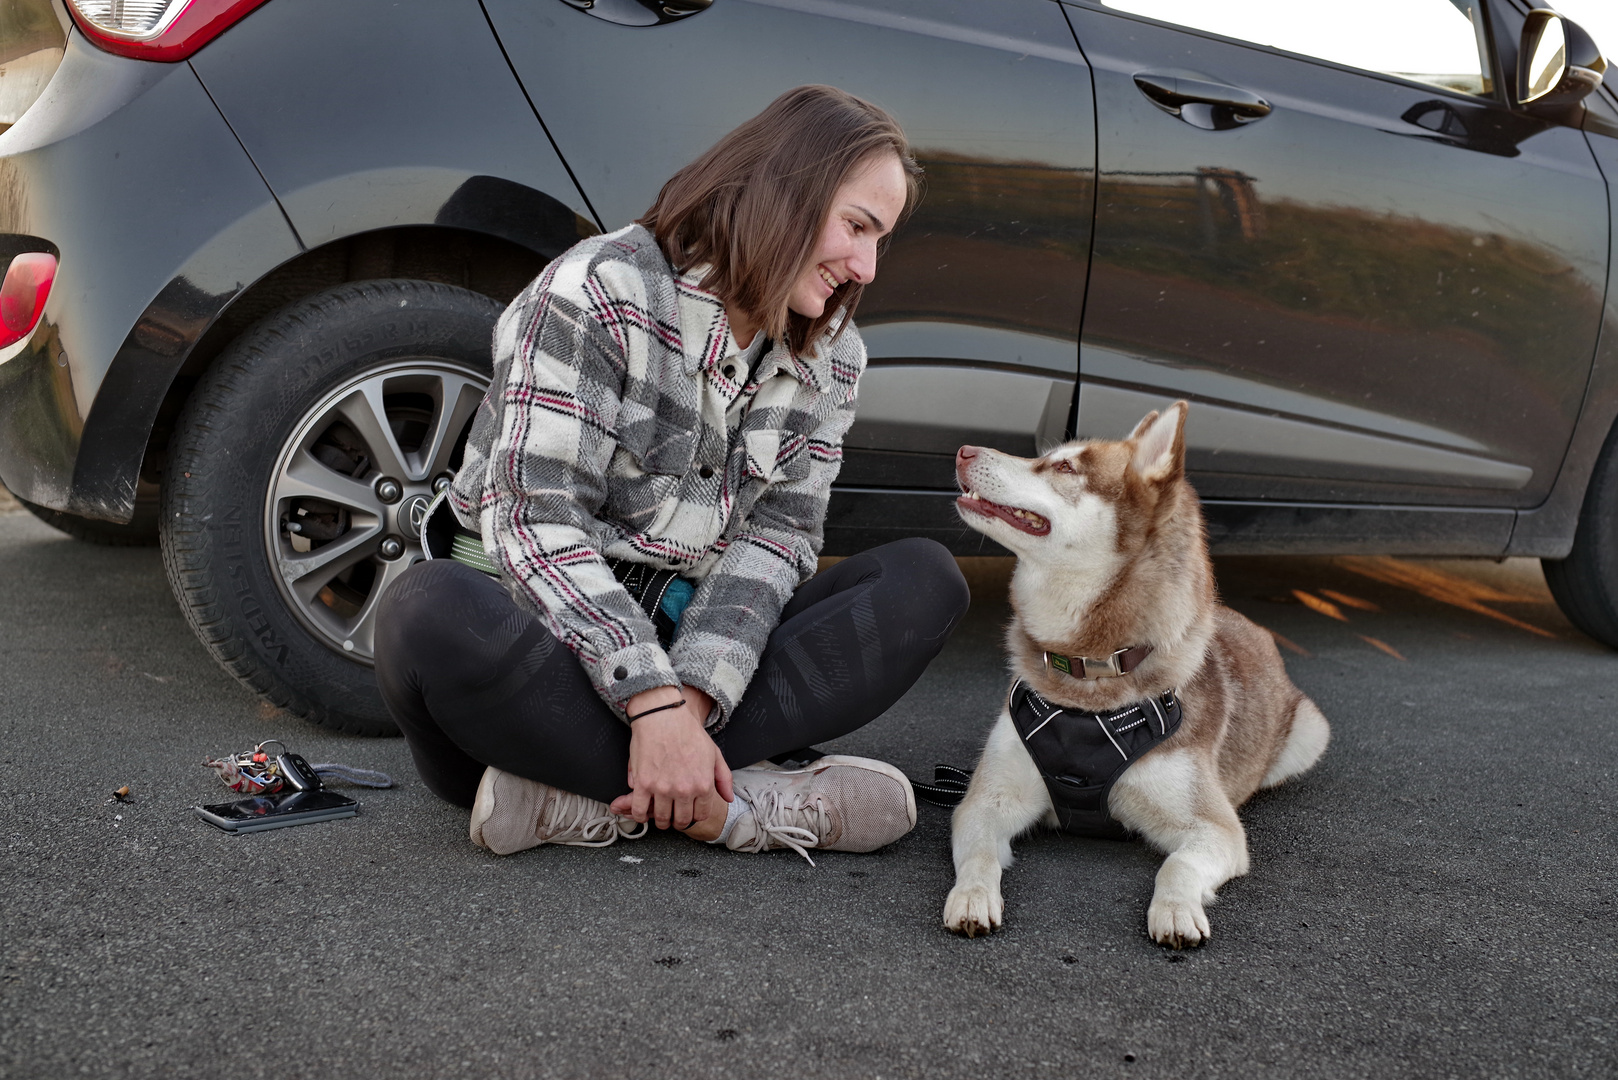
column 298, row 773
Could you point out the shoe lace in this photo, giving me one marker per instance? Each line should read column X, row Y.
column 797, row 823
column 582, row 822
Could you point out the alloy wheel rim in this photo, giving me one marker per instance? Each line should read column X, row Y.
column 342, row 514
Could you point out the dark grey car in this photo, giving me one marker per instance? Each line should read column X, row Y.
column 254, row 252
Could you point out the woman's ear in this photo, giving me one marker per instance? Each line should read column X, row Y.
column 1160, row 444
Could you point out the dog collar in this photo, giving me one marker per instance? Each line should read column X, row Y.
column 1119, row 663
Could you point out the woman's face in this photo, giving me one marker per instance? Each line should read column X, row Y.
column 863, row 211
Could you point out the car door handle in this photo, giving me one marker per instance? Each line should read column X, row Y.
column 640, row 12
column 1171, row 94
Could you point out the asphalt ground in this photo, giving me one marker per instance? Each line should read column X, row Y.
column 1435, row 899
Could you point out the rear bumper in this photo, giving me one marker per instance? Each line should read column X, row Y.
column 128, row 171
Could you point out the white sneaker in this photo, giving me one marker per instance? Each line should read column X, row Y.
column 835, row 804
column 513, row 814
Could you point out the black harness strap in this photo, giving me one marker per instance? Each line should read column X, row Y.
column 1080, row 755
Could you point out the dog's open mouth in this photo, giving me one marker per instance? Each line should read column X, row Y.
column 1025, row 520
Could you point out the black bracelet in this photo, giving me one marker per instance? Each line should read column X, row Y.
column 660, row 708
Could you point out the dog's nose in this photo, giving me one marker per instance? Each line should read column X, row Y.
column 966, row 453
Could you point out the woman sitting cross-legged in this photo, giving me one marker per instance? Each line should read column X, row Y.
column 643, row 495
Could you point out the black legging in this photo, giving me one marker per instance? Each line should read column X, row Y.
column 474, row 680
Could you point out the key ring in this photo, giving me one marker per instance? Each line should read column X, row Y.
column 251, row 772
column 258, row 771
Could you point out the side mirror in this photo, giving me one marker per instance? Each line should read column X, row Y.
column 1558, row 64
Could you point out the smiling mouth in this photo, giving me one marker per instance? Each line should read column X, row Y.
column 1024, row 520
column 826, row 276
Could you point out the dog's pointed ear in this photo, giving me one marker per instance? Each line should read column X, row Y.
column 1160, row 444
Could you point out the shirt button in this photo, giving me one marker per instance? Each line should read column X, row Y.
column 730, row 371
column 705, row 472
column 620, row 673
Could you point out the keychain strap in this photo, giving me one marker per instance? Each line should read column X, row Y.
column 370, row 778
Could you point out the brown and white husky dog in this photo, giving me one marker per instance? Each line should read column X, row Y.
column 1112, row 555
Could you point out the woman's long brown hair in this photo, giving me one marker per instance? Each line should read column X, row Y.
column 752, row 207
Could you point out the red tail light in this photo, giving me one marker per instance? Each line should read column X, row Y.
column 22, row 295
column 165, row 30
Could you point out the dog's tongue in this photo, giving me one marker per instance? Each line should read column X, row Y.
column 1024, row 520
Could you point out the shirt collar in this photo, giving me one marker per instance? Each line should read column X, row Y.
column 704, row 331
column 812, row 371
column 709, row 343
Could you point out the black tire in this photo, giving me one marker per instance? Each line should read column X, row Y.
column 139, row 531
column 282, row 411
column 1585, row 584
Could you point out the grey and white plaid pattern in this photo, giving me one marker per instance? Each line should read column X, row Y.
column 613, row 429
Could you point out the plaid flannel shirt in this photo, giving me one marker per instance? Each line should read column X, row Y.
column 620, row 424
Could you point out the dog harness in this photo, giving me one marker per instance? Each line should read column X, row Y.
column 1080, row 755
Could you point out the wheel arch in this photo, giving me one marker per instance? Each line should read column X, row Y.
column 491, row 236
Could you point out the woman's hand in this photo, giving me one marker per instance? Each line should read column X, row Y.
column 677, row 775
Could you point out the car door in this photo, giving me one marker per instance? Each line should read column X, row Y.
column 1322, row 224
column 973, row 321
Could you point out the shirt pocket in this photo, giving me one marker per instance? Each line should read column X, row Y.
column 642, row 500
column 774, row 455
column 670, row 451
column 660, row 429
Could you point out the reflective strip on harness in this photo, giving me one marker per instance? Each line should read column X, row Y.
column 1080, row 755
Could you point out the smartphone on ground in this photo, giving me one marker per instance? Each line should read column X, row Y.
column 278, row 811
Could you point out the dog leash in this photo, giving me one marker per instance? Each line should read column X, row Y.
column 948, row 787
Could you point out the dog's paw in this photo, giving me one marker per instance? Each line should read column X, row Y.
column 1177, row 921
column 973, row 909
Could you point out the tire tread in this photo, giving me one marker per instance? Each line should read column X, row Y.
column 1585, row 584
column 223, row 395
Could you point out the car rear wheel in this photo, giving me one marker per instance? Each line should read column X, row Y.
column 297, row 476
column 1585, row 584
